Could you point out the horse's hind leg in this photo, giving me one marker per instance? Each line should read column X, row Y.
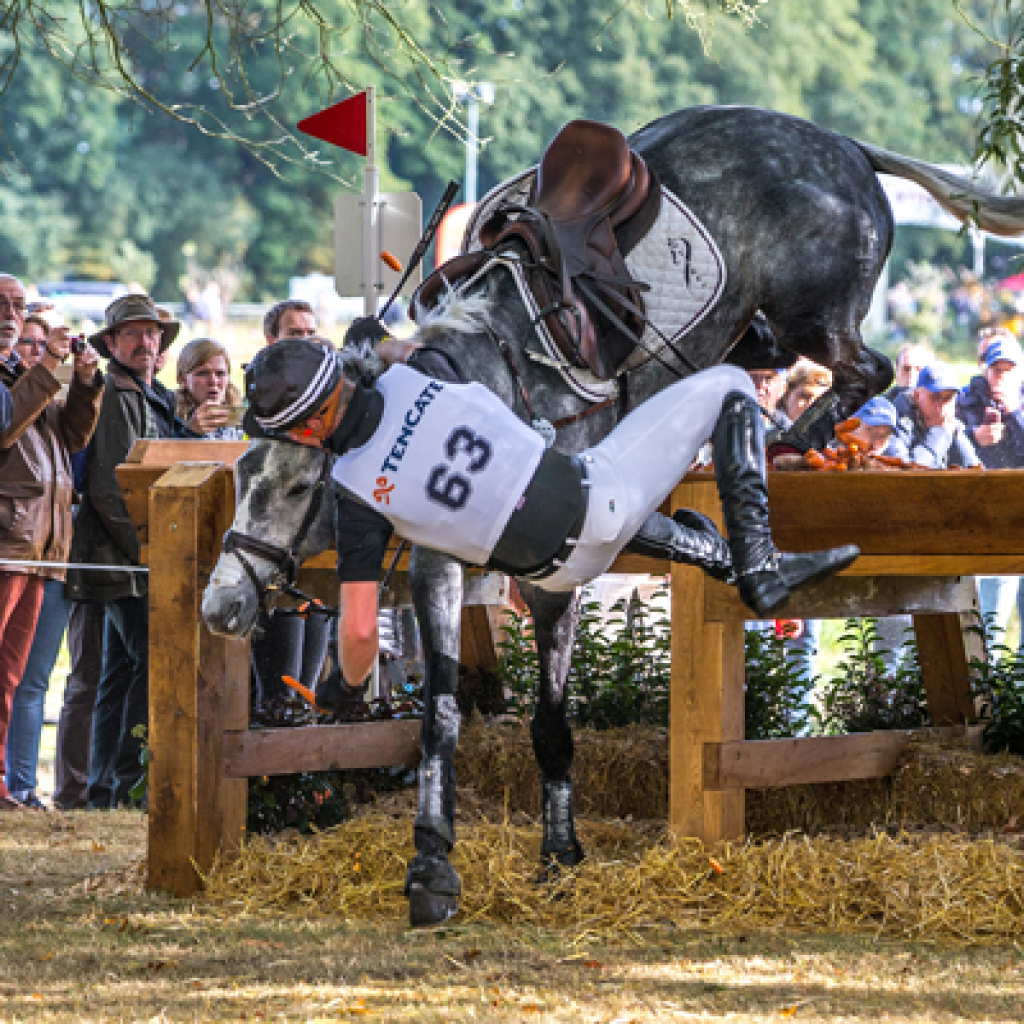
column 555, row 616
column 431, row 884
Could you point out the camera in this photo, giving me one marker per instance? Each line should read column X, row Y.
column 77, row 343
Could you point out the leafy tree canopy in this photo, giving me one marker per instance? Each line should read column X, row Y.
column 141, row 135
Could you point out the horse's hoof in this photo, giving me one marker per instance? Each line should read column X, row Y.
column 428, row 908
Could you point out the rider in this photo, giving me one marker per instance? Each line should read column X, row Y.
column 452, row 468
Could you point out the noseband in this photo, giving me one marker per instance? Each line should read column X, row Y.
column 284, row 560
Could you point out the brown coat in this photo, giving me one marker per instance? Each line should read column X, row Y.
column 36, row 489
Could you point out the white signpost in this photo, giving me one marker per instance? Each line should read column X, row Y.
column 394, row 226
column 367, row 226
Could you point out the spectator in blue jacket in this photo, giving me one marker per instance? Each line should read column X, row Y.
column 990, row 406
column 928, row 428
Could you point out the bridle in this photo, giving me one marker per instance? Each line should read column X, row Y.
column 284, row 560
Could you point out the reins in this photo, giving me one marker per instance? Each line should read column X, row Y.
column 284, row 560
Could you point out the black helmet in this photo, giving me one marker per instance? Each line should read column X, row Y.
column 288, row 381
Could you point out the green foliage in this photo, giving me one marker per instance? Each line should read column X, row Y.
column 867, row 695
column 777, row 687
column 619, row 672
column 89, row 168
column 998, row 684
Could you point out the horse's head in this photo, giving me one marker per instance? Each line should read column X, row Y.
column 284, row 511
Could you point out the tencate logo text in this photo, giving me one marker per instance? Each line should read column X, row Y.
column 409, row 425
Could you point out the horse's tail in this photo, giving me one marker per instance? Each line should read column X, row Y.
column 956, row 194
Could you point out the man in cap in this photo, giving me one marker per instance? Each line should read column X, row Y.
column 135, row 406
column 878, row 423
column 990, row 406
column 928, row 428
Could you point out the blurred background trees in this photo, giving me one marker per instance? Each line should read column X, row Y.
column 101, row 178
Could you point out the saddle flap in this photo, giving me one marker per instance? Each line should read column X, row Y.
column 583, row 171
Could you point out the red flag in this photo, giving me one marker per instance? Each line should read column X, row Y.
column 343, row 124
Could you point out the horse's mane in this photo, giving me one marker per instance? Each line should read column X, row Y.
column 456, row 311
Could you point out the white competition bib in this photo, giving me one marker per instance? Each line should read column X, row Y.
column 447, row 465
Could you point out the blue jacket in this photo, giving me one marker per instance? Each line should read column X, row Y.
column 6, row 408
column 971, row 406
column 932, row 447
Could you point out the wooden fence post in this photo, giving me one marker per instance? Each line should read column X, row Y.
column 706, row 704
column 187, row 699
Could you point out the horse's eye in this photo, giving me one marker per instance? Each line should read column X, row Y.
column 297, row 489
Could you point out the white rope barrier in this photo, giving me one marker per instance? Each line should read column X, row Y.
column 74, row 565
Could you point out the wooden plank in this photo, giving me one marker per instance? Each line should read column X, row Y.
column 479, row 639
column 846, row 596
column 321, row 748
column 166, row 452
column 926, row 512
column 174, row 597
column 937, row 565
column 760, row 764
column 943, row 659
column 706, row 697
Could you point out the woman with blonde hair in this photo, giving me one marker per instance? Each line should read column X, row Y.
column 206, row 396
column 806, row 382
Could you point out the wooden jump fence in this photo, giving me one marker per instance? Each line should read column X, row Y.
column 923, row 535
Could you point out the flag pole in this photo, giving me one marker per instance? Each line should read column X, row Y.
column 371, row 209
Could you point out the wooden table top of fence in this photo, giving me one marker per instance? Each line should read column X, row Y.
column 917, row 523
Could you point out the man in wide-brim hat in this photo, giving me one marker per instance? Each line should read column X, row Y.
column 130, row 309
column 135, row 406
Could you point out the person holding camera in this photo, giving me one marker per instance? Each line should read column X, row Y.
column 135, row 406
column 206, row 399
column 36, row 487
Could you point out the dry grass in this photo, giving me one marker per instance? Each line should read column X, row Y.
column 945, row 887
column 105, row 951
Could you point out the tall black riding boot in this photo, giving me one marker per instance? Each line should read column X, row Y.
column 687, row 537
column 765, row 576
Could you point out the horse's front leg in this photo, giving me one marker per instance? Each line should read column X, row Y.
column 555, row 616
column 431, row 885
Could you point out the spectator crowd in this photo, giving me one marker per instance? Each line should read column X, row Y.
column 69, row 553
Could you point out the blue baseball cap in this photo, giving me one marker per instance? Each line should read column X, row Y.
column 878, row 412
column 937, row 377
column 1004, row 348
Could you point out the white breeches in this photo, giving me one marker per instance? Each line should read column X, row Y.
column 638, row 465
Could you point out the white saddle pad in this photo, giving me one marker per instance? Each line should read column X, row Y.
column 678, row 258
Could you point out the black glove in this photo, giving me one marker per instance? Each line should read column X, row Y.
column 365, row 329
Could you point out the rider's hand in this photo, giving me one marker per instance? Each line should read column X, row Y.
column 86, row 362
column 363, row 330
column 208, row 418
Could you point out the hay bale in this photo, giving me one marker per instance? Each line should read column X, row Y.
column 616, row 773
column 622, row 773
column 946, row 783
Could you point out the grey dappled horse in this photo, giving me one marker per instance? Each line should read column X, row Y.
column 804, row 228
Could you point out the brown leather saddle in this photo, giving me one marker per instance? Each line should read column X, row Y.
column 593, row 201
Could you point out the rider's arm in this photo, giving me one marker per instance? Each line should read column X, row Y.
column 362, row 541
